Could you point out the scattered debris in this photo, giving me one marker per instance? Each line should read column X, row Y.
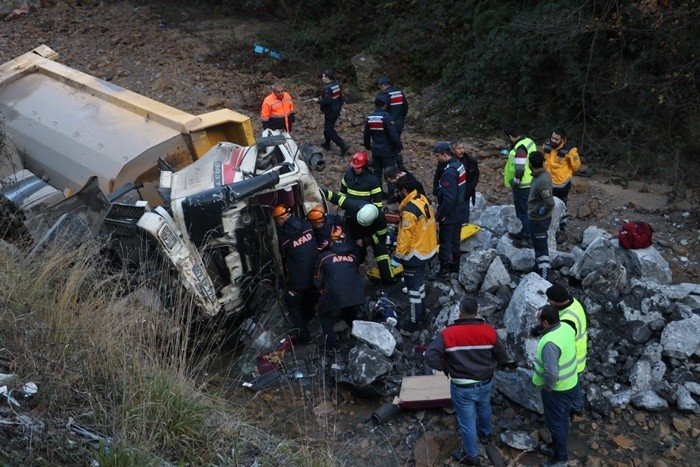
column 259, row 49
column 519, row 440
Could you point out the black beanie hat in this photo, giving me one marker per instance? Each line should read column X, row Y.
column 558, row 293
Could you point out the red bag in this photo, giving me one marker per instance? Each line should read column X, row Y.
column 635, row 235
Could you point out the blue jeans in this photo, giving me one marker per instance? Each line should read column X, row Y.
column 557, row 407
column 473, row 406
column 577, row 403
column 520, row 196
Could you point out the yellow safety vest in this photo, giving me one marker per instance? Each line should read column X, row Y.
column 567, row 377
column 575, row 314
column 509, row 169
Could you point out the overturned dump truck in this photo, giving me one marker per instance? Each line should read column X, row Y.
column 95, row 160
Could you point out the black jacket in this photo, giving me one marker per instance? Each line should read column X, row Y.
column 381, row 136
column 323, row 235
column 398, row 106
column 373, row 234
column 450, row 196
column 332, row 98
column 299, row 251
column 363, row 187
column 471, row 167
column 338, row 279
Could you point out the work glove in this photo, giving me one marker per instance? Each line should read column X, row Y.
column 547, row 146
column 562, row 153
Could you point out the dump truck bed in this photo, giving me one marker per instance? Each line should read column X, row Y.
column 69, row 126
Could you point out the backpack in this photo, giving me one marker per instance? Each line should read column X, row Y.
column 635, row 235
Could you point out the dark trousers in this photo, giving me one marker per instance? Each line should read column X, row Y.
column 379, row 163
column 520, row 196
column 300, row 305
column 539, row 242
column 563, row 194
column 449, row 236
column 413, row 279
column 327, row 319
column 577, row 403
column 329, row 133
column 465, row 213
column 557, row 407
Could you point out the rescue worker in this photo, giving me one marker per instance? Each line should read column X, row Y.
column 298, row 249
column 398, row 104
column 540, row 204
column 561, row 161
column 277, row 112
column 341, row 288
column 451, row 199
column 572, row 312
column 323, row 224
column 468, row 352
column 331, row 102
column 392, row 175
column 471, row 168
column 381, row 137
column 368, row 229
column 416, row 244
column 361, row 184
column 517, row 176
column 555, row 372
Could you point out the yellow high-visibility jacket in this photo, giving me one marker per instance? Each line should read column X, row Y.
column 561, row 163
column 417, row 238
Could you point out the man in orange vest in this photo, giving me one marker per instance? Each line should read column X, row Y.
column 277, row 112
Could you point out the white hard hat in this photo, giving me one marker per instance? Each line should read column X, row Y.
column 367, row 214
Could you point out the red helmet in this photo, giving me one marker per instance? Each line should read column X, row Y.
column 359, row 160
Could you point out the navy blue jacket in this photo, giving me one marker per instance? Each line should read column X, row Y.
column 398, row 106
column 323, row 235
column 381, row 136
column 471, row 167
column 299, row 251
column 450, row 195
column 338, row 278
column 365, row 186
column 332, row 98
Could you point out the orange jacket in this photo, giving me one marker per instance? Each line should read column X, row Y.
column 277, row 114
column 561, row 163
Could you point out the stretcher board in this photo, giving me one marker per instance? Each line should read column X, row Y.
column 469, row 230
column 374, row 272
column 425, row 392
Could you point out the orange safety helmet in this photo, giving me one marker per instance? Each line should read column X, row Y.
column 337, row 233
column 359, row 160
column 316, row 213
column 280, row 210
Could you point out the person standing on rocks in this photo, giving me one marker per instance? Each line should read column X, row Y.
column 572, row 312
column 540, row 204
column 331, row 102
column 341, row 288
column 468, row 352
column 398, row 108
column 277, row 112
column 451, row 193
column 298, row 249
column 381, row 137
column 416, row 244
column 555, row 373
column 471, row 168
column 561, row 161
column 517, row 176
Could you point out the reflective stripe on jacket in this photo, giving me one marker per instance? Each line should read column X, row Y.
column 332, row 98
column 277, row 114
column 417, row 237
column 564, row 338
column 364, row 186
column 528, row 147
column 380, row 135
column 398, row 106
column 577, row 315
column 561, row 163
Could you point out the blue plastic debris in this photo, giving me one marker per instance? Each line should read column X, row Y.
column 259, row 49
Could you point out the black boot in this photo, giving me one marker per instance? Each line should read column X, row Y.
column 344, row 149
column 444, row 271
column 326, row 145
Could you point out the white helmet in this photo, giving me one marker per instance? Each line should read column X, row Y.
column 367, row 214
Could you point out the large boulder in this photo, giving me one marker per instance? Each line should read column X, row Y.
column 680, row 339
column 517, row 386
column 367, row 70
column 500, row 220
column 496, row 276
column 521, row 314
column 374, row 334
column 520, row 259
column 591, row 233
column 649, row 400
column 446, row 316
column 477, row 209
column 473, row 267
column 685, row 401
column 649, row 265
column 640, row 377
column 557, row 213
column 606, row 283
column 365, row 366
column 483, row 240
column 599, row 252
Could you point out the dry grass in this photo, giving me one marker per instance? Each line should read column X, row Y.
column 121, row 367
